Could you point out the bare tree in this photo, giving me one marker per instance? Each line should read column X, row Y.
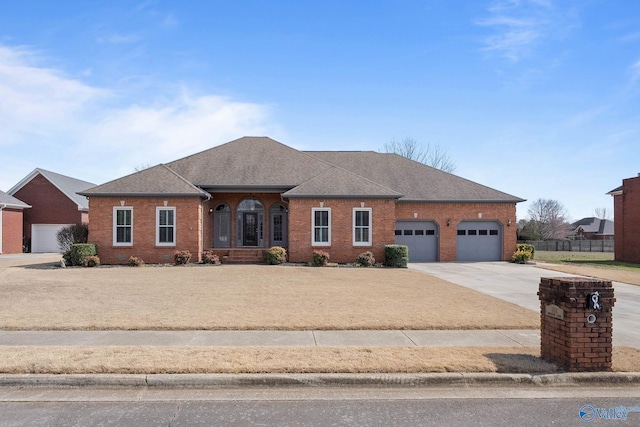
column 603, row 213
column 431, row 155
column 142, row 167
column 549, row 219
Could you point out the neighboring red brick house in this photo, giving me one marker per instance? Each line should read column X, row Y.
column 11, row 212
column 55, row 203
column 626, row 212
column 245, row 196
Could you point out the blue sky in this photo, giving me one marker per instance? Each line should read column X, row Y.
column 537, row 98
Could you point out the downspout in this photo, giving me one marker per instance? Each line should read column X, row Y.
column 203, row 219
column 2, row 206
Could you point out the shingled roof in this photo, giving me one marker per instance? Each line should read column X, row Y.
column 155, row 181
column 418, row 182
column 67, row 185
column 7, row 201
column 263, row 164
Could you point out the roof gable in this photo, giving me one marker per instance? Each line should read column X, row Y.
column 417, row 181
column 70, row 187
column 155, row 181
column 9, row 201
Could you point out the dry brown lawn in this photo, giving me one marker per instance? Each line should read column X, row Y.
column 616, row 275
column 195, row 360
column 240, row 297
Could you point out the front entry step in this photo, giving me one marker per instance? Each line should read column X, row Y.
column 240, row 256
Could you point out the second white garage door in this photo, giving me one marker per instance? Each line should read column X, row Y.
column 44, row 237
column 479, row 241
column 421, row 237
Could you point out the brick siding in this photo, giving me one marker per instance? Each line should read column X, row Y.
column 342, row 249
column 11, row 231
column 48, row 205
column 188, row 229
column 626, row 208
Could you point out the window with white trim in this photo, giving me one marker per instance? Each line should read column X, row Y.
column 165, row 226
column 321, row 226
column 362, row 227
column 122, row 226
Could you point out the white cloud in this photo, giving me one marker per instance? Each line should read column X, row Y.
column 119, row 38
column 518, row 26
column 53, row 121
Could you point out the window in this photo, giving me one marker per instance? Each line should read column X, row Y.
column 123, row 226
column 431, row 232
column 462, row 232
column 398, row 232
column 362, row 227
column 483, row 232
column 419, row 232
column 472, row 232
column 493, row 232
column 408, row 232
column 165, row 226
column 321, row 224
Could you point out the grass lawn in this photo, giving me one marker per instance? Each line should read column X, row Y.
column 237, row 297
column 593, row 264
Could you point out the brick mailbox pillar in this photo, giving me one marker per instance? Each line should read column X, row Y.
column 576, row 322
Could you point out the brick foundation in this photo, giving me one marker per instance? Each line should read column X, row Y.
column 566, row 336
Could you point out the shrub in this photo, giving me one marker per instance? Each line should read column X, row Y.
column 71, row 234
column 181, row 257
column 91, row 261
column 208, row 257
column 366, row 259
column 320, row 258
column 396, row 256
column 527, row 248
column 276, row 255
column 134, row 261
column 79, row 251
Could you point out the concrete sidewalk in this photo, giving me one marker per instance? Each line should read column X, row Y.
column 368, row 338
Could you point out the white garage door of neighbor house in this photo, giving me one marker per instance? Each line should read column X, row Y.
column 421, row 237
column 479, row 241
column 44, row 237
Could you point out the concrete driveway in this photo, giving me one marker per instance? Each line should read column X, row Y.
column 519, row 284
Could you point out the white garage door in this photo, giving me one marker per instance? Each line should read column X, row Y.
column 44, row 237
column 479, row 241
column 421, row 237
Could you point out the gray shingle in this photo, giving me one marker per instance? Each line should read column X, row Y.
column 338, row 182
column 11, row 201
column 418, row 182
column 158, row 180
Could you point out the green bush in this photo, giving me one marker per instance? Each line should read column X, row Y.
column 76, row 233
column 521, row 257
column 276, row 255
column 134, row 261
column 91, row 261
column 208, row 257
column 320, row 258
column 396, row 256
column 366, row 259
column 527, row 248
column 79, row 251
column 181, row 257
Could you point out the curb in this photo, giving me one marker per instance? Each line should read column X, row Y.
column 208, row 381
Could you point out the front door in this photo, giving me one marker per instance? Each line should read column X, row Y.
column 250, row 232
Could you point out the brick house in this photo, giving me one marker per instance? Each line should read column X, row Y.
column 245, row 196
column 626, row 212
column 55, row 203
column 591, row 228
column 11, row 213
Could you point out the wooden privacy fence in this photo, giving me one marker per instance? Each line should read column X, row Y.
column 572, row 245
